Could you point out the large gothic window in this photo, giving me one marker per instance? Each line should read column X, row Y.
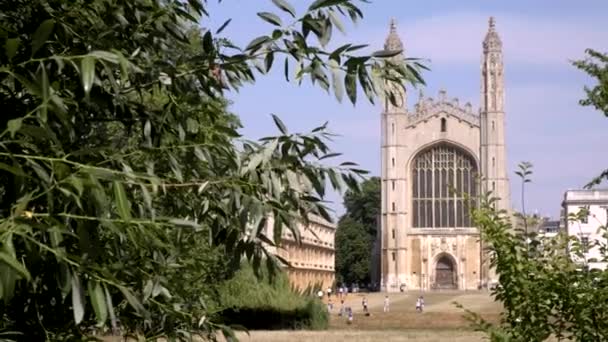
column 441, row 176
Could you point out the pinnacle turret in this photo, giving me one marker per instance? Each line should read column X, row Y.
column 393, row 42
column 492, row 41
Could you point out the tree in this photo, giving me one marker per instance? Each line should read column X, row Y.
column 357, row 231
column 364, row 205
column 353, row 251
column 125, row 185
column 596, row 66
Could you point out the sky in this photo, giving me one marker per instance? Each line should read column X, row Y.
column 567, row 143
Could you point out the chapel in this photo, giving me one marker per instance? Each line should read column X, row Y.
column 433, row 157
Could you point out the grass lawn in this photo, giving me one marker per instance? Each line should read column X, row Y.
column 440, row 321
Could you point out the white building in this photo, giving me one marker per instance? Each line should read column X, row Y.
column 596, row 204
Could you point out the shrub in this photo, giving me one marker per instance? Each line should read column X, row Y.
column 269, row 303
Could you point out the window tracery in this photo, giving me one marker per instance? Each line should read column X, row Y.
column 441, row 176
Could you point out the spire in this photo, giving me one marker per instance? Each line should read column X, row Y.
column 393, row 42
column 492, row 42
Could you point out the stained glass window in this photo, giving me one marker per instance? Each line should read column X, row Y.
column 442, row 175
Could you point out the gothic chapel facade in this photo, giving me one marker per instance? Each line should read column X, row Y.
column 430, row 158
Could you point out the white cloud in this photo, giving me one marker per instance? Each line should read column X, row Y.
column 457, row 37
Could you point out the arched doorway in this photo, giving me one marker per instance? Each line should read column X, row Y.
column 445, row 273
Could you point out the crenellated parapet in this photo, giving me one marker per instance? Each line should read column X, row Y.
column 427, row 107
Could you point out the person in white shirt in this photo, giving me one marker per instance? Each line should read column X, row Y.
column 386, row 303
column 328, row 292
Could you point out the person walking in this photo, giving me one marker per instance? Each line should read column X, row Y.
column 386, row 303
column 364, row 303
column 328, row 292
column 420, row 304
column 340, row 291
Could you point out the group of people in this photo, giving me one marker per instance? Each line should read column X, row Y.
column 348, row 311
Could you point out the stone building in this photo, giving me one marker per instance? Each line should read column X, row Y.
column 313, row 261
column 431, row 157
column 593, row 204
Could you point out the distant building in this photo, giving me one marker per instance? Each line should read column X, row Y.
column 549, row 228
column 595, row 202
column 313, row 261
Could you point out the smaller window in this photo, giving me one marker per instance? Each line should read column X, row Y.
column 493, row 186
column 493, row 128
column 393, row 161
column 393, row 206
column 493, row 161
column 393, row 128
column 393, row 184
column 444, row 125
column 393, row 234
column 393, row 254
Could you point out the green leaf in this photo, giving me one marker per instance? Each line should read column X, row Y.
column 133, row 301
column 285, row 6
column 87, row 72
column 77, row 299
column 268, row 61
column 208, row 42
column 325, row 3
column 98, row 301
column 386, row 53
column 286, row 69
column 147, row 292
column 337, row 84
column 350, row 82
column 10, row 47
column 122, row 202
column 110, row 307
column 219, row 30
column 106, row 56
column 14, row 125
column 257, row 42
column 271, row 18
column 76, row 183
column 45, row 93
column 13, row 263
column 42, row 34
column 279, row 124
column 336, row 21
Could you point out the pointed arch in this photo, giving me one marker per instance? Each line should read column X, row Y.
column 445, row 269
column 443, row 174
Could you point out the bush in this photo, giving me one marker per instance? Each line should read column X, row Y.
column 266, row 302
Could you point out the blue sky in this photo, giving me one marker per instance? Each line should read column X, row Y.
column 545, row 125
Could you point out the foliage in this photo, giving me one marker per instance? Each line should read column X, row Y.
column 353, row 251
column 545, row 284
column 364, row 205
column 124, row 185
column 356, row 232
column 263, row 303
column 596, row 66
